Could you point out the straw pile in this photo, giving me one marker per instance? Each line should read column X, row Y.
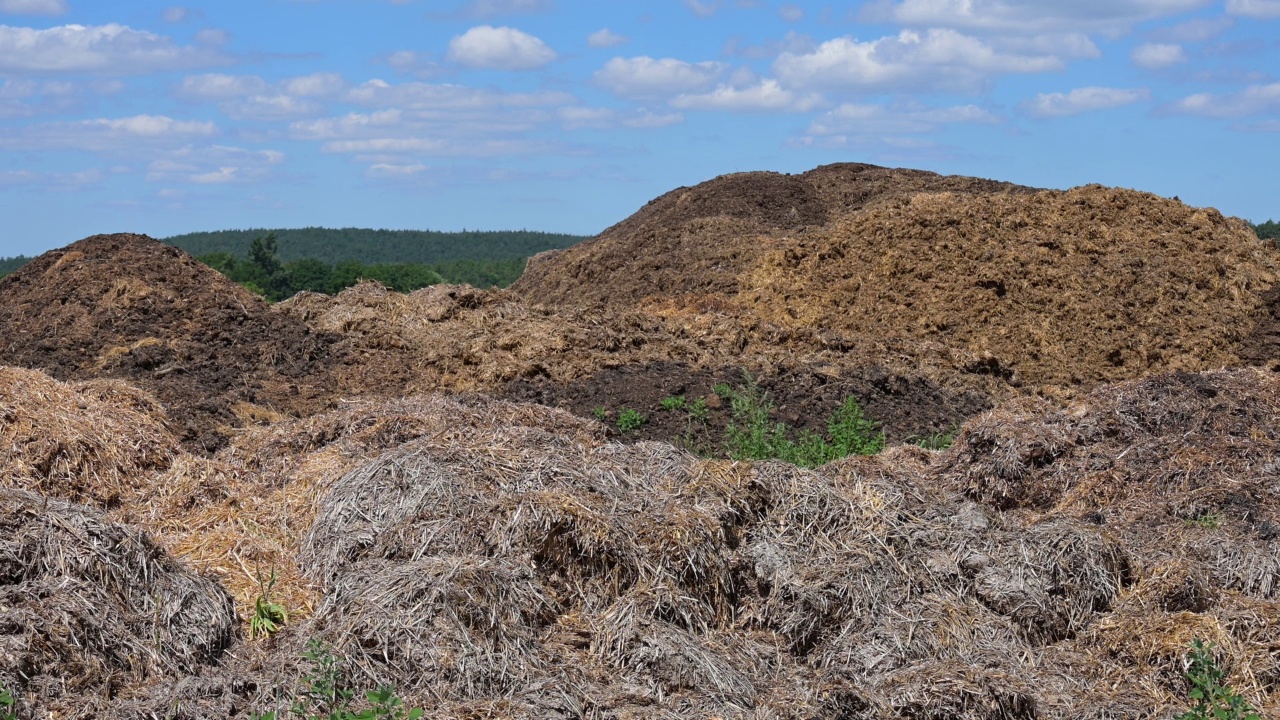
column 89, row 609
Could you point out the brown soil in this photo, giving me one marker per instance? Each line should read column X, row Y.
column 907, row 407
column 127, row 306
column 698, row 240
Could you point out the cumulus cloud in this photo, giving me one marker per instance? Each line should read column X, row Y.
column 791, row 13
column 248, row 97
column 940, row 59
column 1157, row 56
column 906, row 119
column 604, row 38
column 1261, row 9
column 108, row 134
column 33, row 7
column 499, row 48
column 646, row 77
column 764, row 96
column 114, row 49
column 1256, row 99
column 575, row 118
column 1082, row 100
column 1113, row 17
column 1195, row 30
column 214, row 165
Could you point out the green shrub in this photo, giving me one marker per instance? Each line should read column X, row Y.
column 1213, row 700
column 752, row 434
column 268, row 616
column 630, row 419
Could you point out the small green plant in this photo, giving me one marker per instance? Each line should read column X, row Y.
column 600, row 413
column 936, row 441
column 1211, row 698
column 630, row 419
column 268, row 616
column 698, row 411
column 1208, row 521
column 673, row 403
column 7, row 701
column 753, row 435
column 324, row 696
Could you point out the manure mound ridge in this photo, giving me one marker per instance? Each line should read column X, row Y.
column 126, row 306
column 697, row 240
column 1058, row 290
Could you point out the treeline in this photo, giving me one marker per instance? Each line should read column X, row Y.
column 377, row 247
column 8, row 265
column 264, row 273
column 1269, row 230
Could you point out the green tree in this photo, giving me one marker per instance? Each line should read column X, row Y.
column 264, row 254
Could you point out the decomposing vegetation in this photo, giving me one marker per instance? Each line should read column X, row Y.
column 377, row 526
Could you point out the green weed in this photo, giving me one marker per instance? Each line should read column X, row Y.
column 1208, row 521
column 1213, row 700
column 599, row 413
column 674, row 402
column 936, row 441
column 7, row 701
column 630, row 419
column 325, row 697
column 268, row 616
column 752, row 434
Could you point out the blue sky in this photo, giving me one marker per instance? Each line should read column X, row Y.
column 567, row 116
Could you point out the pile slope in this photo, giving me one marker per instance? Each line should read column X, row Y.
column 1061, row 290
column 697, row 240
column 126, row 306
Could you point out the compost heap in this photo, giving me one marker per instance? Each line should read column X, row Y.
column 1061, row 290
column 173, row 451
column 126, row 306
column 493, row 559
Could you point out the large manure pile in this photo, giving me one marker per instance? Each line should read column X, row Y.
column 1059, row 290
column 126, row 306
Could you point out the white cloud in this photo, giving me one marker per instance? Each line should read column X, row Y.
column 646, row 77
column 316, row 85
column 791, row 13
column 27, row 179
column 214, row 165
column 248, row 97
column 98, row 49
column 859, row 119
column 1081, row 100
column 1253, row 100
column 346, row 126
column 942, row 59
column 217, row 86
column 1112, row 17
column 108, row 135
column 33, row 7
column 604, row 38
column 764, row 96
column 1261, row 9
column 646, row 120
column 499, row 48
column 1195, row 30
column 1157, row 56
column 441, row 98
column 393, row 170
column 577, row 117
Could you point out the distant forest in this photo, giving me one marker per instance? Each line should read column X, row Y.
column 8, row 265
column 375, row 247
column 1269, row 230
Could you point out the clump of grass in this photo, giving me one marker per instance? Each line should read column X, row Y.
column 599, row 413
column 268, row 616
column 673, row 403
column 324, row 695
column 936, row 441
column 630, row 419
column 1207, row 521
column 1212, row 698
column 752, row 434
